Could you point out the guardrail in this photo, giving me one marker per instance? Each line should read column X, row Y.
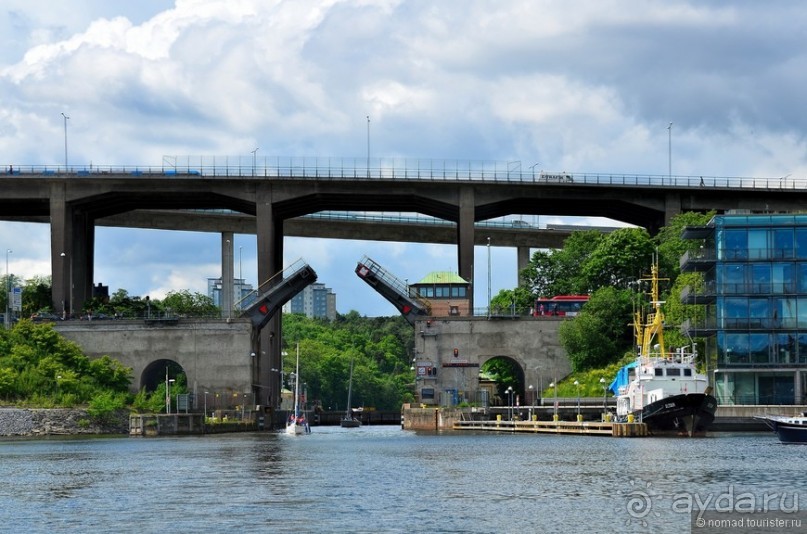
column 393, row 169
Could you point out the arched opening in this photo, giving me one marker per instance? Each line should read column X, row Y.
column 167, row 379
column 503, row 378
column 159, row 371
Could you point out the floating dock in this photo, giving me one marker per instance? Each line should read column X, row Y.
column 592, row 428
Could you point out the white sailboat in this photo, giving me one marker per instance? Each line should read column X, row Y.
column 297, row 423
column 349, row 421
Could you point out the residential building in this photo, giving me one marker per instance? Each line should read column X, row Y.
column 244, row 294
column 755, row 295
column 315, row 300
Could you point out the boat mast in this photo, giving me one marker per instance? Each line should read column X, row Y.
column 297, row 386
column 653, row 328
column 349, row 388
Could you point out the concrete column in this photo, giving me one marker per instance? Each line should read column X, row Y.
column 672, row 207
column 61, row 254
column 83, row 259
column 522, row 261
column 465, row 239
column 227, row 243
column 797, row 387
column 268, row 344
column 72, row 253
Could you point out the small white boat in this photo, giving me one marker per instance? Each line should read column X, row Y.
column 297, row 423
column 788, row 429
column 349, row 420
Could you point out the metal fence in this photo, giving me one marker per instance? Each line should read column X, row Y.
column 336, row 168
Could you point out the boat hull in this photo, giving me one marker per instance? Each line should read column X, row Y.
column 788, row 432
column 295, row 429
column 688, row 413
column 350, row 422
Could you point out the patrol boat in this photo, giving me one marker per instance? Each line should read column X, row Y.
column 662, row 388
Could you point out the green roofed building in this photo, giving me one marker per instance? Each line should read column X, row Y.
column 447, row 293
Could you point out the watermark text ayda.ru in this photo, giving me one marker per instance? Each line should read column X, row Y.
column 730, row 501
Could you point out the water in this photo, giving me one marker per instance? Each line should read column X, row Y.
column 382, row 479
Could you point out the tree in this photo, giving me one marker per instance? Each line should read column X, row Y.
column 512, row 301
column 621, row 256
column 558, row 272
column 186, row 303
column 599, row 334
column 37, row 295
column 671, row 246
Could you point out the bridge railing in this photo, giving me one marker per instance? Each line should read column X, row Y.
column 324, row 168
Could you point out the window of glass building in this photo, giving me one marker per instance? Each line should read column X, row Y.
column 783, row 242
column 735, row 244
column 801, row 243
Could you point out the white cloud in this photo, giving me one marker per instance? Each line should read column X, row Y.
column 581, row 87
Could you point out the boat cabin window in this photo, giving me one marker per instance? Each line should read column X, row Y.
column 659, row 372
column 687, row 372
column 674, row 372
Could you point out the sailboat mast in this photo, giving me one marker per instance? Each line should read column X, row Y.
column 349, row 387
column 297, row 385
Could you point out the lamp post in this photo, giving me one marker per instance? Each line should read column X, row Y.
column 577, row 384
column 7, row 317
column 669, row 151
column 205, row 418
column 167, row 391
column 532, row 400
column 509, row 392
column 602, row 383
column 65, row 141
column 488, row 277
column 254, row 160
column 554, row 385
column 68, row 310
column 368, row 146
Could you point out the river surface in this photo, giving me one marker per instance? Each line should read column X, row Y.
column 384, row 479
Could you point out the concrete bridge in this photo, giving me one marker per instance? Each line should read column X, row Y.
column 76, row 200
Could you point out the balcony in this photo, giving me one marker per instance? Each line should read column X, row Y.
column 698, row 260
column 706, row 295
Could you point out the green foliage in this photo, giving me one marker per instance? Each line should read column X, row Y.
column 504, row 372
column 380, row 347
column 589, row 381
column 36, row 295
column 599, row 334
column 605, row 265
column 40, row 367
column 512, row 301
column 619, row 257
column 153, row 402
column 670, row 244
column 558, row 272
column 186, row 303
column 105, row 404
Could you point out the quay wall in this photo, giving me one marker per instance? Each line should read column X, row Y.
column 58, row 421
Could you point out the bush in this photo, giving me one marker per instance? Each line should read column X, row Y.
column 104, row 405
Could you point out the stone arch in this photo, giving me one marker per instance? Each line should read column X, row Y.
column 497, row 389
column 155, row 373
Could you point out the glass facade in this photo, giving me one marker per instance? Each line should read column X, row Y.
column 757, row 312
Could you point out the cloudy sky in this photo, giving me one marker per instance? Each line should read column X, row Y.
column 564, row 85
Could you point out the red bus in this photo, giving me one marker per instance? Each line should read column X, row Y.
column 561, row 305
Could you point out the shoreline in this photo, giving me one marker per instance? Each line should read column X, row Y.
column 33, row 422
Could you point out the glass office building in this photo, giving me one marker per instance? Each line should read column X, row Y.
column 755, row 291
